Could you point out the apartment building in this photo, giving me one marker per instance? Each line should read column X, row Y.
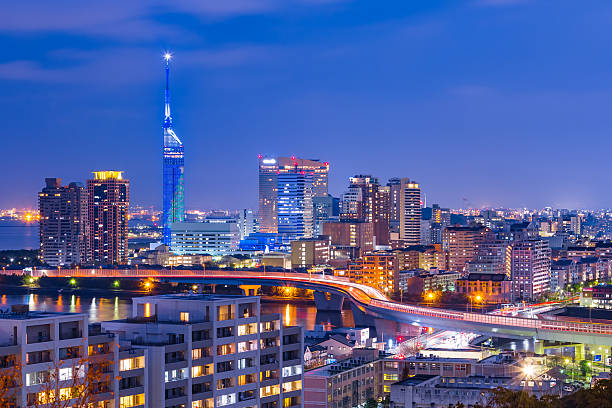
column 376, row 270
column 345, row 384
column 205, row 351
column 43, row 352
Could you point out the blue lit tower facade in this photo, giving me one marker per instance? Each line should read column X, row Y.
column 174, row 168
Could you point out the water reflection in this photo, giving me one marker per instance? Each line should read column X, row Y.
column 305, row 314
column 113, row 308
column 97, row 308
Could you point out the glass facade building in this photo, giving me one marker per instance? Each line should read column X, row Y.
column 269, row 170
column 295, row 210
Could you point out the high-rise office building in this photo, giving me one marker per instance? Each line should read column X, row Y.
column 410, row 212
column 394, row 185
column 63, row 222
column 247, row 223
column 269, row 169
column 173, row 169
column 108, row 199
column 368, row 186
column 381, row 216
column 295, row 209
column 268, row 185
column 325, row 209
column 351, row 206
column 368, row 201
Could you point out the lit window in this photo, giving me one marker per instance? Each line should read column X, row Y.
column 131, row 401
column 226, row 399
column 131, row 363
column 184, row 317
column 147, row 310
column 292, row 386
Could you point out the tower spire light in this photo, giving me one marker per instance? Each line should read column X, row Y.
column 168, row 117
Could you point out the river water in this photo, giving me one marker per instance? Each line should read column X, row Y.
column 18, row 235
column 119, row 307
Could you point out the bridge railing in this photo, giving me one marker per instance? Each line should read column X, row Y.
column 518, row 322
column 161, row 273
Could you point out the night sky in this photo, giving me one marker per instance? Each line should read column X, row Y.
column 484, row 102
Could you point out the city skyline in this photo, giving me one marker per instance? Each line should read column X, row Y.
column 492, row 114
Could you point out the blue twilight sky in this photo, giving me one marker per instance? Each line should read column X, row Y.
column 484, row 102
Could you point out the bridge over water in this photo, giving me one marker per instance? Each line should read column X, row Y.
column 331, row 291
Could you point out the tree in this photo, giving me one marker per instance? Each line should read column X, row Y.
column 65, row 385
column 10, row 380
column 600, row 396
column 585, row 368
column 371, row 403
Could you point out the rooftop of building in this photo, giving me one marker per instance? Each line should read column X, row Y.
column 420, row 357
column 315, row 347
column 314, row 239
column 417, row 248
column 588, row 260
column 601, row 287
column 337, row 337
column 415, row 380
column 561, row 262
column 422, row 273
column 195, row 297
column 475, row 228
column 22, row 312
column 339, row 367
column 493, row 277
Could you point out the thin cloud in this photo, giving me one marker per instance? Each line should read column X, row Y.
column 124, row 65
column 27, row 71
column 498, row 3
column 134, row 20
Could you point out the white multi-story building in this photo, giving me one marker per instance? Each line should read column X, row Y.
column 205, row 351
column 212, row 237
column 44, row 351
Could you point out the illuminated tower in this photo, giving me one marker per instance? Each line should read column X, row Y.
column 174, row 167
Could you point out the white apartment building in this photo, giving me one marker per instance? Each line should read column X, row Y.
column 205, row 351
column 42, row 348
